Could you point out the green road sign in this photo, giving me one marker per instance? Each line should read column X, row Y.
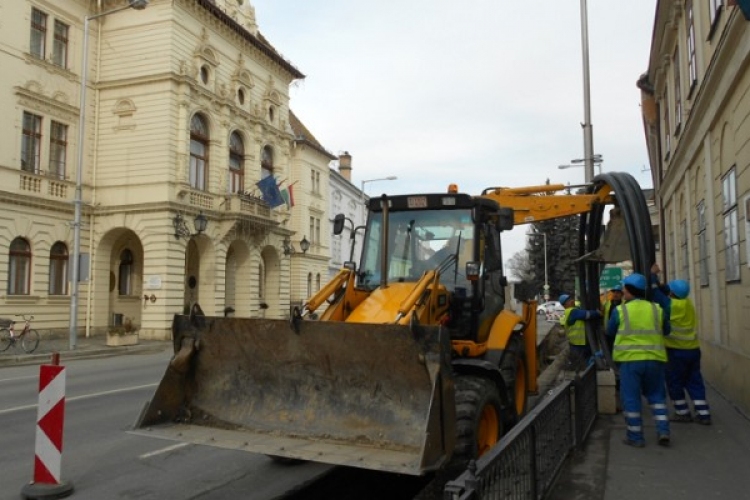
column 610, row 277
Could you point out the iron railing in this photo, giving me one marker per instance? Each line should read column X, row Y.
column 526, row 461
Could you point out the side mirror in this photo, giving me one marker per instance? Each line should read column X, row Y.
column 338, row 224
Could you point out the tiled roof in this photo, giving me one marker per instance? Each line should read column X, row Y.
column 259, row 42
column 301, row 134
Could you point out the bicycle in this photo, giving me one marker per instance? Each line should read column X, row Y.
column 29, row 338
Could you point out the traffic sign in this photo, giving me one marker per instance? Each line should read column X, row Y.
column 610, row 277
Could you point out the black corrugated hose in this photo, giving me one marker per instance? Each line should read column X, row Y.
column 631, row 201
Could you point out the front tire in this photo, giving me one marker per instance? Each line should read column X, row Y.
column 30, row 341
column 479, row 417
column 515, row 374
column 4, row 339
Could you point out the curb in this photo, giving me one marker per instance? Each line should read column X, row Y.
column 90, row 353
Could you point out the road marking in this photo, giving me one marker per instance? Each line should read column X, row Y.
column 15, row 379
column 163, row 450
column 82, row 397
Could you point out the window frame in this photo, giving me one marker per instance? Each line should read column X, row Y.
column 199, row 160
column 31, row 143
column 730, row 216
column 125, row 273
column 58, row 149
column 677, row 92
column 38, row 27
column 60, row 44
column 19, row 259
column 236, row 167
column 702, row 242
column 58, row 269
column 691, row 56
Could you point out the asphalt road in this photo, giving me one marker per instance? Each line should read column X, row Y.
column 102, row 460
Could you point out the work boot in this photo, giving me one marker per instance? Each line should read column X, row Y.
column 664, row 440
column 681, row 418
column 634, row 443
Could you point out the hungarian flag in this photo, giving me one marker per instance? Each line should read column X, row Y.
column 288, row 194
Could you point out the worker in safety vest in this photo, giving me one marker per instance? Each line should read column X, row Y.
column 683, row 353
column 638, row 327
column 573, row 321
column 614, row 299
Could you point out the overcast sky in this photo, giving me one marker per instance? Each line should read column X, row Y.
column 479, row 93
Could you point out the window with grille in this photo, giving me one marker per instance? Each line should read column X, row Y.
column 692, row 62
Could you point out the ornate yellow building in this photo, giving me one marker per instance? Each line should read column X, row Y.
column 696, row 114
column 186, row 109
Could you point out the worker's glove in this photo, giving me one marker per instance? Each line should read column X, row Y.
column 593, row 314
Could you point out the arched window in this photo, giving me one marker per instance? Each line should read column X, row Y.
column 19, row 269
column 309, row 284
column 236, row 182
column 125, row 284
column 199, row 152
column 317, row 282
column 58, row 269
column 266, row 162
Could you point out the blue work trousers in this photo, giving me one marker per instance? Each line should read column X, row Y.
column 643, row 378
column 684, row 374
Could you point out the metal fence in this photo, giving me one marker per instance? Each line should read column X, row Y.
column 525, row 463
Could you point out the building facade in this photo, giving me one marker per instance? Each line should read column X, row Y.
column 696, row 110
column 345, row 198
column 186, row 109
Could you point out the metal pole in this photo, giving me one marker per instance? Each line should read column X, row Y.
column 78, row 201
column 588, row 133
column 546, row 281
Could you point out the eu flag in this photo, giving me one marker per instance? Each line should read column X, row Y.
column 270, row 191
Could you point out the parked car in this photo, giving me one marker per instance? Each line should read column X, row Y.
column 552, row 310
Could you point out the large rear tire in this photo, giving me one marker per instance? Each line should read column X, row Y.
column 479, row 417
column 516, row 376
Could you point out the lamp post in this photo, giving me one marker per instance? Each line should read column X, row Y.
column 580, row 162
column 78, row 201
column 546, row 271
column 588, row 131
column 362, row 192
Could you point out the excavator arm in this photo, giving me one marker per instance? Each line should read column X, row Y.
column 539, row 203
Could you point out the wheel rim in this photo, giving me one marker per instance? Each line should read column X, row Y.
column 520, row 389
column 488, row 432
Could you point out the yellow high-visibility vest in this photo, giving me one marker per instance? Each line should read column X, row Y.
column 639, row 336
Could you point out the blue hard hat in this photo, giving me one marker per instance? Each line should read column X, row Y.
column 564, row 298
column 680, row 288
column 635, row 280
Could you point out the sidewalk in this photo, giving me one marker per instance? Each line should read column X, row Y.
column 702, row 461
column 91, row 347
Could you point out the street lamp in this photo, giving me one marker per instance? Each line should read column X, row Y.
column 546, row 271
column 78, row 201
column 362, row 192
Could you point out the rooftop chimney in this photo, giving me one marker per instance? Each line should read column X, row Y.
column 345, row 165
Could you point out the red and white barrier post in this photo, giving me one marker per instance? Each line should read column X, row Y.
column 49, row 436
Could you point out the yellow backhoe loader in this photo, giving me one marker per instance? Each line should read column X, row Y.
column 412, row 364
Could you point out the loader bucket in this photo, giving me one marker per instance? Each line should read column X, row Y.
column 364, row 395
